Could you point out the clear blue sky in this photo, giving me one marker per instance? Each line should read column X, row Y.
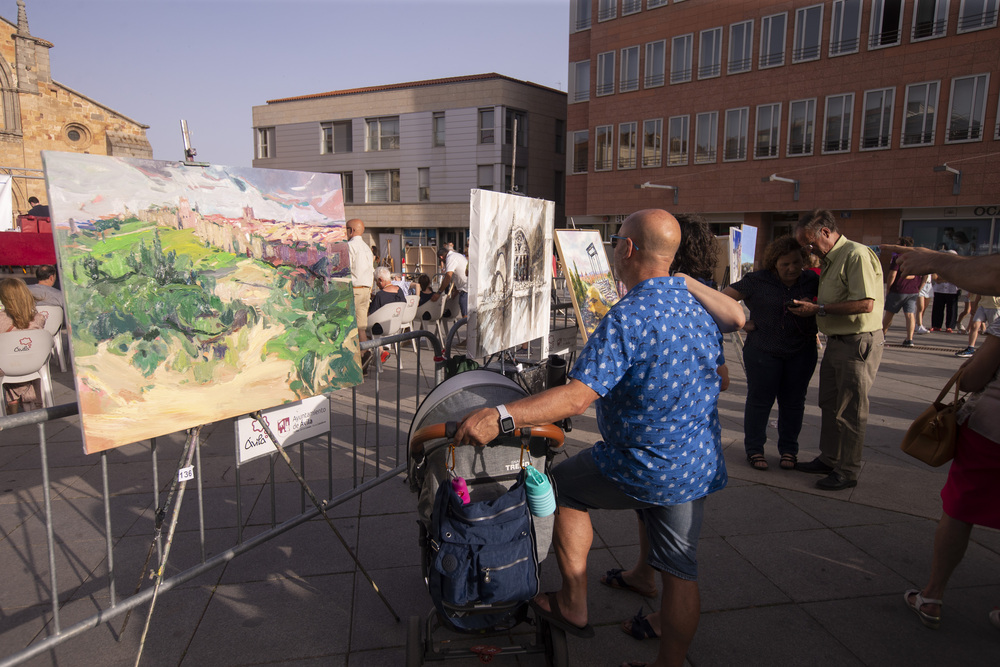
column 210, row 61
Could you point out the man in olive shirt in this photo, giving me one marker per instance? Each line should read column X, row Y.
column 849, row 309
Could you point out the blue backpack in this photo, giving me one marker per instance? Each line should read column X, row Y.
column 483, row 563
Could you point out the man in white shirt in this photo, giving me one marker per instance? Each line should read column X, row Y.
column 456, row 272
column 362, row 276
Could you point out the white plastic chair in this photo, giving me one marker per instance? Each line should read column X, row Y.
column 53, row 324
column 24, row 357
column 452, row 313
column 410, row 312
column 386, row 321
column 430, row 314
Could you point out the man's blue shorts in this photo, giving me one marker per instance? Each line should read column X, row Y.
column 672, row 530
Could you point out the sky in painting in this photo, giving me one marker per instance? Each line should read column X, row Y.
column 210, row 61
column 83, row 189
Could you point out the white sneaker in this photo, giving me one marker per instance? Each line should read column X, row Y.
column 922, row 330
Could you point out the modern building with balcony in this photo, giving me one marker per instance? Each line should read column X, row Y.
column 409, row 153
column 884, row 111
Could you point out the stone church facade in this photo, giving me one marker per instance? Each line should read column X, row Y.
column 41, row 114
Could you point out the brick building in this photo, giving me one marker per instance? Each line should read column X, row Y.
column 884, row 111
column 409, row 153
column 42, row 114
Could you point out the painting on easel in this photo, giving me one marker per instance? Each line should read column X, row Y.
column 196, row 294
column 588, row 274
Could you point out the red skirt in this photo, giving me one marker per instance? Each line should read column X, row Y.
column 972, row 492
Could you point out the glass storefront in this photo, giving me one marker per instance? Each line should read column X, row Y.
column 966, row 237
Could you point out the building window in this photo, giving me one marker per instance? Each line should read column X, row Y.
column 772, row 40
column 630, row 70
column 347, row 186
column 520, row 184
column 603, row 145
column 437, row 128
column 808, row 31
column 652, row 142
column 837, row 123
column 710, row 53
column 514, row 117
column 335, row 137
column 887, row 21
column 383, row 186
column 631, row 7
column 977, row 14
column 680, row 58
column 877, row 128
column 486, row 126
column 626, row 145
column 740, row 47
column 768, row 123
column 484, row 177
column 706, row 137
column 918, row 114
column 607, row 9
column 265, row 142
column 560, row 146
column 801, row 127
column 605, row 73
column 845, row 27
column 677, row 140
column 581, row 14
column 967, row 109
column 580, row 81
column 651, row 4
column 737, row 121
column 656, row 63
column 423, row 184
column 383, row 133
column 930, row 19
column 581, row 140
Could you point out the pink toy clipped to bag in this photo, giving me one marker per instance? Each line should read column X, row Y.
column 461, row 489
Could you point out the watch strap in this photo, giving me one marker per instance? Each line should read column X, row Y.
column 506, row 421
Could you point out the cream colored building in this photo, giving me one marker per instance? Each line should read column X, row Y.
column 42, row 114
column 409, row 153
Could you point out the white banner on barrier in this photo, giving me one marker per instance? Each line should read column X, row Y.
column 290, row 424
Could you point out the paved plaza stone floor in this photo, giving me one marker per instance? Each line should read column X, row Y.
column 790, row 574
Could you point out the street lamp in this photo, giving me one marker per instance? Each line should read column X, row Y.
column 782, row 179
column 647, row 184
column 956, row 187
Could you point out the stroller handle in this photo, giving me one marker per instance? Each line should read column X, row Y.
column 447, row 430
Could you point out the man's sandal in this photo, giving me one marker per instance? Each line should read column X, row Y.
column 918, row 601
column 639, row 628
column 788, row 461
column 615, row 579
column 757, row 461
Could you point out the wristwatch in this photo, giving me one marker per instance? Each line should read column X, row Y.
column 822, row 310
column 506, row 421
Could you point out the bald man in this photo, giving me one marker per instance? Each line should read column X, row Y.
column 362, row 276
column 650, row 365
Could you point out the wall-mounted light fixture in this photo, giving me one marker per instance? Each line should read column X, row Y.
column 782, row 179
column 956, row 187
column 647, row 184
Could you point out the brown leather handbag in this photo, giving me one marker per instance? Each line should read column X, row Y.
column 931, row 437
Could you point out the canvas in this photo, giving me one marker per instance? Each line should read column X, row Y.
column 196, row 294
column 735, row 254
column 748, row 249
column 510, row 271
column 591, row 284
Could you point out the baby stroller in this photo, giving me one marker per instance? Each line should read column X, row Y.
column 481, row 588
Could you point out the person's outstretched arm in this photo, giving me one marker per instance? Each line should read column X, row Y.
column 976, row 274
column 727, row 313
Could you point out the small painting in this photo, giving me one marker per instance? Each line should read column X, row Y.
column 735, row 254
column 748, row 249
column 195, row 294
column 589, row 278
column 510, row 271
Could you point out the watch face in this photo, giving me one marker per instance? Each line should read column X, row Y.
column 507, row 424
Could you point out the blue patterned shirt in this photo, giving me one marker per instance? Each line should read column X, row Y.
column 652, row 360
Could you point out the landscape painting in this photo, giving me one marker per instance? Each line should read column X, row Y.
column 591, row 283
column 510, row 271
column 748, row 248
column 198, row 293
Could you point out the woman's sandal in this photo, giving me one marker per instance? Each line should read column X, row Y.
column 757, row 461
column 638, row 627
column 788, row 461
column 933, row 622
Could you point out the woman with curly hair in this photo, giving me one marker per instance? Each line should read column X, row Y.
column 19, row 313
column 780, row 352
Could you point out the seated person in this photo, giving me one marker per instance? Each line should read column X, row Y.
column 397, row 280
column 19, row 314
column 45, row 292
column 37, row 209
column 387, row 292
column 424, row 283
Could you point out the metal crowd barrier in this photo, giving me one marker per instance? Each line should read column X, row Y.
column 359, row 454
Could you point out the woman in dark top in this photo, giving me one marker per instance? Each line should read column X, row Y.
column 424, row 281
column 780, row 351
